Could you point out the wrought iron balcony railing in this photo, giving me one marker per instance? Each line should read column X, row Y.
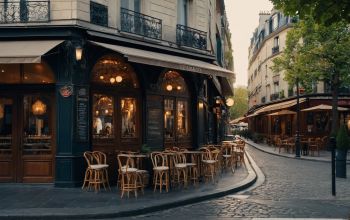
column 140, row 24
column 190, row 37
column 274, row 96
column 275, row 49
column 24, row 11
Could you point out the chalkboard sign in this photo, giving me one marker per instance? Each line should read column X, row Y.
column 155, row 128
column 82, row 113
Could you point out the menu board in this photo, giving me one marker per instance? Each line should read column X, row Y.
column 82, row 113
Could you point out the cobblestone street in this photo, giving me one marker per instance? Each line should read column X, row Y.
column 292, row 188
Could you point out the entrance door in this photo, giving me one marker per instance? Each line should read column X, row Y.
column 26, row 138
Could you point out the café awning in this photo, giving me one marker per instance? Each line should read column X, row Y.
column 25, row 51
column 278, row 106
column 323, row 107
column 168, row 61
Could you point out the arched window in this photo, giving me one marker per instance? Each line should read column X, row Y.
column 113, row 70
column 173, row 83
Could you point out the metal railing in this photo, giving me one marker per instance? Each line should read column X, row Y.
column 274, row 96
column 140, row 24
column 24, row 11
column 190, row 37
column 98, row 14
column 275, row 49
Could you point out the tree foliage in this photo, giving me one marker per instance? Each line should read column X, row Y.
column 324, row 12
column 315, row 52
column 241, row 102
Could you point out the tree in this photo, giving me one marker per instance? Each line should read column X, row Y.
column 322, row 11
column 316, row 52
column 241, row 102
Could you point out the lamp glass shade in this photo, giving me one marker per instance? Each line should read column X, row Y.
column 118, row 79
column 38, row 108
column 78, row 53
column 230, row 102
column 169, row 87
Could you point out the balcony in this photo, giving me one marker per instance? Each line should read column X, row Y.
column 190, row 37
column 276, row 78
column 274, row 96
column 140, row 24
column 275, row 50
column 24, row 11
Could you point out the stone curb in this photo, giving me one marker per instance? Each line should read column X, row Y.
column 244, row 184
column 256, row 146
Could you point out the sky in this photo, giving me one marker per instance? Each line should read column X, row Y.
column 243, row 18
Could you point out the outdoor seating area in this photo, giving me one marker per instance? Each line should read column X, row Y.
column 173, row 168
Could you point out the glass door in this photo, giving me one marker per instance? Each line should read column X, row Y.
column 7, row 165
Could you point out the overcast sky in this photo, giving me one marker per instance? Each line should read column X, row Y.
column 243, row 18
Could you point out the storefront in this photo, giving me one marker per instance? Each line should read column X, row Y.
column 76, row 96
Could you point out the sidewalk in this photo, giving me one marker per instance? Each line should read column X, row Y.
column 47, row 202
column 325, row 156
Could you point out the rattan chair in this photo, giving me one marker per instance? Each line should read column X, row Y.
column 160, row 171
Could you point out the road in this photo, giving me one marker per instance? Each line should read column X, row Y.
column 292, row 189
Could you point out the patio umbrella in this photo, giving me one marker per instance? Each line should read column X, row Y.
column 323, row 107
column 283, row 112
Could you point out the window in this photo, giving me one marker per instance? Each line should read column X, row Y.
column 103, row 125
column 133, row 5
column 169, row 118
column 6, row 108
column 182, row 16
column 98, row 14
column 114, row 71
column 36, row 73
column 182, row 118
column 276, row 42
column 128, row 111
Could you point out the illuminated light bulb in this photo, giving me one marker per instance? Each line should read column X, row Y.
column 118, row 79
column 178, row 87
column 97, row 112
column 169, row 87
column 2, row 71
column 112, row 80
column 106, row 111
column 230, row 102
column 102, row 77
column 200, row 105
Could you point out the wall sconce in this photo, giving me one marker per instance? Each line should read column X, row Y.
column 78, row 53
column 230, row 102
column 200, row 105
column 217, row 100
column 38, row 108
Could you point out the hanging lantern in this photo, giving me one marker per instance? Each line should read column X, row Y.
column 38, row 108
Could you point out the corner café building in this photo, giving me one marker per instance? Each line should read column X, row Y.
column 61, row 96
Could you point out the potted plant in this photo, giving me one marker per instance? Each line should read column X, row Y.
column 343, row 145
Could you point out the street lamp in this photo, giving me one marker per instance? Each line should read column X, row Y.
column 297, row 137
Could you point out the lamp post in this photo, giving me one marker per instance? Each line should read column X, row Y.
column 297, row 137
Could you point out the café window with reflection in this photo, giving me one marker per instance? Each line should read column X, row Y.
column 6, row 107
column 103, row 126
column 128, row 111
column 37, row 124
column 176, row 106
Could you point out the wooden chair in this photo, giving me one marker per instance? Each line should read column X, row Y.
column 95, row 173
column 130, row 180
column 180, row 169
column 314, row 145
column 193, row 168
column 208, row 164
column 160, row 171
column 102, row 160
column 228, row 157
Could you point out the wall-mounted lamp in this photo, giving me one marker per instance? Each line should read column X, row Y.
column 200, row 105
column 118, row 79
column 230, row 102
column 78, row 53
column 169, row 87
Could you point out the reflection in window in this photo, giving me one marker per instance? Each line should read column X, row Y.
column 182, row 119
column 37, row 130
column 128, row 111
column 5, row 126
column 103, row 116
column 169, row 118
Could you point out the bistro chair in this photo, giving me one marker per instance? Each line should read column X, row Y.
column 160, row 171
column 193, row 167
column 314, row 145
column 208, row 164
column 95, row 173
column 102, row 160
column 228, row 156
column 180, row 169
column 130, row 180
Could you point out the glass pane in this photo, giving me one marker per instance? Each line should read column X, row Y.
column 128, row 111
column 169, row 118
column 182, row 119
column 103, row 116
column 5, row 126
column 37, row 125
column 37, row 73
column 10, row 73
